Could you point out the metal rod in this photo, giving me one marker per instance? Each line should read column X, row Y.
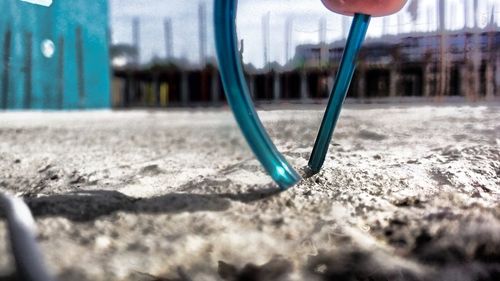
column 238, row 96
column 339, row 92
column 169, row 49
column 21, row 225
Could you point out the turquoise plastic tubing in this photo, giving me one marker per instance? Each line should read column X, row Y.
column 343, row 80
column 239, row 99
column 27, row 255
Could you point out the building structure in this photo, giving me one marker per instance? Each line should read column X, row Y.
column 54, row 57
column 412, row 64
column 409, row 65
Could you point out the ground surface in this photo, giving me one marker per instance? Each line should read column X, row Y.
column 407, row 193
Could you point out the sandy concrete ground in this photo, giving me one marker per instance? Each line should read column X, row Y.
column 407, row 193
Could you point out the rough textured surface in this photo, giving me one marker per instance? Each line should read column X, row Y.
column 407, row 193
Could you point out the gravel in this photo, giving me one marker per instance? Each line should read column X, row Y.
column 407, row 193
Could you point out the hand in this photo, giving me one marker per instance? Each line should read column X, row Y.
column 375, row 8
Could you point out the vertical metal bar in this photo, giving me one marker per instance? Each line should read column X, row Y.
column 80, row 67
column 28, row 70
column 60, row 74
column 266, row 39
column 202, row 29
column 288, row 38
column 167, row 24
column 443, row 39
column 6, row 67
column 136, row 37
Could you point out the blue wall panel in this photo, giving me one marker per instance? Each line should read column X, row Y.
column 77, row 73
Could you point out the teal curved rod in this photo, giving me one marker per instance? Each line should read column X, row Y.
column 239, row 99
column 343, row 80
column 28, row 258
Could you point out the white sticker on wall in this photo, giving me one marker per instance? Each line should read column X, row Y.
column 48, row 48
column 45, row 3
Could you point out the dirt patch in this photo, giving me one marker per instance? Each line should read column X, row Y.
column 407, row 193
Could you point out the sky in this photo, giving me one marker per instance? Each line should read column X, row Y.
column 305, row 15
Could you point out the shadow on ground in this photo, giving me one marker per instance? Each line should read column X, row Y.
column 89, row 205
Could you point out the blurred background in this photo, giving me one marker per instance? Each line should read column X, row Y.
column 157, row 53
